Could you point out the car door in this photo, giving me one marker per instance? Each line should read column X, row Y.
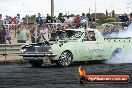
column 105, row 48
column 89, row 50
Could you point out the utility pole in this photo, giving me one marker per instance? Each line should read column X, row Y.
column 52, row 8
column 27, row 19
column 95, row 12
column 89, row 10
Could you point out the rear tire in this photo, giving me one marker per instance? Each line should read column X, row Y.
column 36, row 63
column 115, row 54
column 65, row 59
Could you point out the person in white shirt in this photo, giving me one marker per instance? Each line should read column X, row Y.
column 44, row 32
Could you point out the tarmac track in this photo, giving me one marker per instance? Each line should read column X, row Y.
column 22, row 75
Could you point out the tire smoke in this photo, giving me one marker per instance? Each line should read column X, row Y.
column 122, row 57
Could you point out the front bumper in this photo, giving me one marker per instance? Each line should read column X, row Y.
column 29, row 56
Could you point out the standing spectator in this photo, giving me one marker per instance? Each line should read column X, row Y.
column 23, row 34
column 92, row 19
column 62, row 20
column 2, row 31
column 84, row 20
column 124, row 18
column 77, row 21
column 35, row 34
column 92, row 22
column 130, row 17
column 39, row 20
column 48, row 19
column 2, row 35
column 6, row 20
column 84, row 17
column 8, row 35
column 60, row 32
column 13, row 20
column 69, row 21
column 18, row 19
column 1, row 21
column 44, row 32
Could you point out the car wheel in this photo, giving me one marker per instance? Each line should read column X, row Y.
column 116, row 52
column 65, row 59
column 36, row 63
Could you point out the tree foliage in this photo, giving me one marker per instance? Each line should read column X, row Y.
column 30, row 19
column 105, row 20
column 107, row 13
column 113, row 14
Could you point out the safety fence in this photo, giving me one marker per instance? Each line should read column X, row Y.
column 9, row 49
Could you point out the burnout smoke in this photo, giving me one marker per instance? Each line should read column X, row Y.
column 127, row 33
column 122, row 57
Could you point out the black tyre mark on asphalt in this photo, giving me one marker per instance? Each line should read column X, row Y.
column 22, row 75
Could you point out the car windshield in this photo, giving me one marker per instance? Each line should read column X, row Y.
column 73, row 35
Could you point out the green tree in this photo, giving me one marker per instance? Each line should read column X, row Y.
column 113, row 14
column 105, row 20
column 107, row 13
column 101, row 20
column 29, row 19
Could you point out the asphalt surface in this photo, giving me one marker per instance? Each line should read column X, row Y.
column 23, row 75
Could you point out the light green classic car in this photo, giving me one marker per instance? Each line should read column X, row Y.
column 78, row 45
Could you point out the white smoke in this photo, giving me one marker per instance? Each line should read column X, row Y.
column 127, row 32
column 122, row 57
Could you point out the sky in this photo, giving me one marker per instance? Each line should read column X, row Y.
column 29, row 7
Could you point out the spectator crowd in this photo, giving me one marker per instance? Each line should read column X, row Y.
column 6, row 25
column 45, row 28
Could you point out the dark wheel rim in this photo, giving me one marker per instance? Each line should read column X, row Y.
column 65, row 59
column 115, row 55
column 116, row 52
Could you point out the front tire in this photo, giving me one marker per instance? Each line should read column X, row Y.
column 36, row 63
column 65, row 59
